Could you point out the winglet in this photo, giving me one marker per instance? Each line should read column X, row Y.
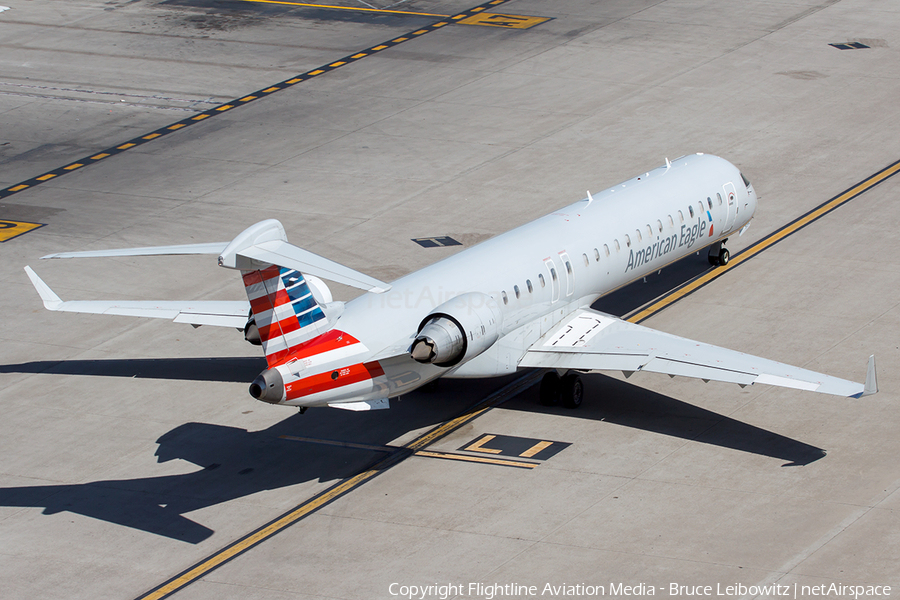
column 871, row 380
column 51, row 300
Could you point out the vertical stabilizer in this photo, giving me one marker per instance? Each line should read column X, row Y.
column 284, row 308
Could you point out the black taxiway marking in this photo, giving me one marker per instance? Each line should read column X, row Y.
column 244, row 100
column 849, row 46
column 436, row 242
column 508, row 445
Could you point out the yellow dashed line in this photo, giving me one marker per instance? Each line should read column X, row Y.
column 420, row 32
column 398, row 40
column 441, row 24
column 125, row 146
column 354, row 8
column 177, row 126
column 360, row 55
column 248, row 98
column 73, row 167
column 46, row 177
column 99, row 156
column 271, row 89
column 199, row 117
column 477, row 9
column 151, row 136
column 337, row 64
column 460, row 17
column 294, row 80
column 376, row 48
column 18, row 187
column 316, row 72
column 226, row 107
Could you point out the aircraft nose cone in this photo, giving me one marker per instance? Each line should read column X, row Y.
column 268, row 387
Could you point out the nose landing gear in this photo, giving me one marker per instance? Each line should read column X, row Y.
column 718, row 254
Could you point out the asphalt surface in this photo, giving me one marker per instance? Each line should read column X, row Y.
column 131, row 452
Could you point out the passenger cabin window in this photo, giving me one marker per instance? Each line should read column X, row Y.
column 587, row 263
column 671, row 221
column 606, row 249
column 691, row 210
column 516, row 290
column 680, row 217
column 617, row 245
column 709, row 202
column 659, row 224
column 649, row 232
column 638, row 232
column 627, row 240
column 553, row 273
column 529, row 286
column 568, row 267
column 700, row 208
column 719, row 197
column 541, row 279
column 505, row 299
column 597, row 254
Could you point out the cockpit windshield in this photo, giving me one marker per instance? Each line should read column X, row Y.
column 746, row 183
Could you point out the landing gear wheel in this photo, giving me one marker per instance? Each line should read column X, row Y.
column 713, row 258
column 551, row 388
column 572, row 390
column 724, row 256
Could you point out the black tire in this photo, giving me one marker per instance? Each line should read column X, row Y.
column 713, row 258
column 572, row 390
column 550, row 389
column 724, row 256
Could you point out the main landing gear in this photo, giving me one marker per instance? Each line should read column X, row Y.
column 567, row 390
column 718, row 254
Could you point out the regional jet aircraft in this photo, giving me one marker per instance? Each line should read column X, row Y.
column 520, row 300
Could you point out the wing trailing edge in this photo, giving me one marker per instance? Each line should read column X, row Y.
column 592, row 341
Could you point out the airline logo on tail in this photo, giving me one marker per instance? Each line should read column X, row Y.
column 284, row 308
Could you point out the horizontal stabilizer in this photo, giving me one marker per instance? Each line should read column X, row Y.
column 592, row 341
column 283, row 254
column 221, row 313
column 211, row 248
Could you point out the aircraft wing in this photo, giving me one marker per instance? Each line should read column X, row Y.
column 223, row 313
column 593, row 341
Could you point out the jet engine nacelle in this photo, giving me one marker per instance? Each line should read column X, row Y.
column 458, row 330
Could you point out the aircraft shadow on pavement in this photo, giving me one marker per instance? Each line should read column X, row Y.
column 621, row 403
column 236, row 463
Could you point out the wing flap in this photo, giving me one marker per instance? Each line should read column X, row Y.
column 592, row 341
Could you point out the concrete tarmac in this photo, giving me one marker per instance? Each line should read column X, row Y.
column 131, row 450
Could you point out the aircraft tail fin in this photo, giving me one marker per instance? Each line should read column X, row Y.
column 285, row 311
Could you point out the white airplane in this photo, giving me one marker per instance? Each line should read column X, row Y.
column 519, row 300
